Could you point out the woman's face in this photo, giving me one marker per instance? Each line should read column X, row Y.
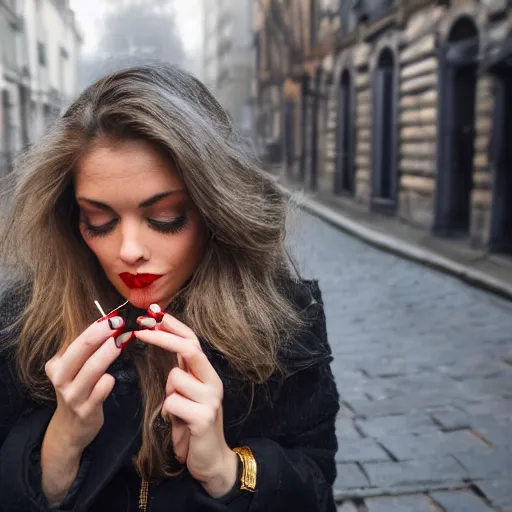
column 137, row 218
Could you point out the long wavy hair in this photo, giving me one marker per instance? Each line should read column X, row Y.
column 234, row 299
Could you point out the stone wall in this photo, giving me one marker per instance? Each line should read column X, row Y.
column 415, row 44
column 363, row 124
column 418, row 119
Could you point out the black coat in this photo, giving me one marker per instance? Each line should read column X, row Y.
column 290, row 430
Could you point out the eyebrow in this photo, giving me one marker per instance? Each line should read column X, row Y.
column 145, row 204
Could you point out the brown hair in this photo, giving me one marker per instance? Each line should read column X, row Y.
column 233, row 300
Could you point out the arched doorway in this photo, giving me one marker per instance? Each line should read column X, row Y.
column 501, row 225
column 344, row 179
column 458, row 59
column 384, row 178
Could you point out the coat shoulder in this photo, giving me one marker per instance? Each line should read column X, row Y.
column 309, row 345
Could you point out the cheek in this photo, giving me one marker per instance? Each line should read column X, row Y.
column 184, row 250
column 101, row 248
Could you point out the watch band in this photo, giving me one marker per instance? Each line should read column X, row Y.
column 249, row 468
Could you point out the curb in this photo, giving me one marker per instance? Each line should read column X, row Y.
column 404, row 249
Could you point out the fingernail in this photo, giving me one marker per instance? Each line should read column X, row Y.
column 123, row 339
column 155, row 311
column 144, row 321
column 115, row 322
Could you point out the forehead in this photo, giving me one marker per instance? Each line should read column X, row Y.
column 134, row 165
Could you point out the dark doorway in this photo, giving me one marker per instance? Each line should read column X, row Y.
column 456, row 137
column 289, row 135
column 501, row 227
column 344, row 179
column 315, row 108
column 304, row 123
column 384, row 179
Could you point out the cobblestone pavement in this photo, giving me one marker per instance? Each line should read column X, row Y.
column 423, row 364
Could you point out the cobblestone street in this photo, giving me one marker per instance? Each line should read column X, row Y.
column 423, row 364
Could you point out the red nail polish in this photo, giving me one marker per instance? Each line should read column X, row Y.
column 106, row 317
column 123, row 345
column 117, row 332
column 157, row 315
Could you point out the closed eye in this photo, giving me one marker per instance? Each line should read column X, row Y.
column 173, row 226
column 166, row 227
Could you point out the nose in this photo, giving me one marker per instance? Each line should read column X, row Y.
column 132, row 249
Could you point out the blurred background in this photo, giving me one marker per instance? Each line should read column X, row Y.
column 394, row 117
column 396, row 106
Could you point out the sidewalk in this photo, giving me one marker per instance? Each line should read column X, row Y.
column 478, row 267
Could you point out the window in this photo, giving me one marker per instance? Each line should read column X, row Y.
column 41, row 53
column 8, row 43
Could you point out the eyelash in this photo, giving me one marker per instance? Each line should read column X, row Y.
column 167, row 228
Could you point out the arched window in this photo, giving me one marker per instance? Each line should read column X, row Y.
column 456, row 135
column 344, row 178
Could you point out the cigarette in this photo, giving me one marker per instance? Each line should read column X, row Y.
column 100, row 308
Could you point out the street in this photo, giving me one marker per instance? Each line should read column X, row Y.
column 423, row 363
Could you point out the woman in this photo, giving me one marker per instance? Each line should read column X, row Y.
column 142, row 192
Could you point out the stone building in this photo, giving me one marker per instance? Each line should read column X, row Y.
column 228, row 57
column 401, row 107
column 39, row 57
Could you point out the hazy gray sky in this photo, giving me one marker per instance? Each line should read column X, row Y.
column 90, row 13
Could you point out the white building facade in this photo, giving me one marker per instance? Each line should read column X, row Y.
column 229, row 57
column 39, row 58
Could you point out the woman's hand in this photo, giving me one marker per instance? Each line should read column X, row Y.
column 81, row 384
column 193, row 404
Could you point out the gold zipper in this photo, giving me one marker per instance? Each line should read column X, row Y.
column 143, row 495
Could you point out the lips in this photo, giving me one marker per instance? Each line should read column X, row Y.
column 133, row 281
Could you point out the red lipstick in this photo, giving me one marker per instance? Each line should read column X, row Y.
column 138, row 280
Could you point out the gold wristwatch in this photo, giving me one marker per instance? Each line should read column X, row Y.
column 248, row 473
column 249, row 468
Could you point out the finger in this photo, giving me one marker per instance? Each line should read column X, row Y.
column 85, row 345
column 101, row 390
column 94, row 369
column 188, row 386
column 174, row 326
column 181, row 363
column 195, row 415
column 194, row 357
column 180, row 441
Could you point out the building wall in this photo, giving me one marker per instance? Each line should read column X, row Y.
column 414, row 32
column 36, row 92
column 418, row 117
column 229, row 57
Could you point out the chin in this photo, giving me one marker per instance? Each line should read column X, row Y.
column 142, row 298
